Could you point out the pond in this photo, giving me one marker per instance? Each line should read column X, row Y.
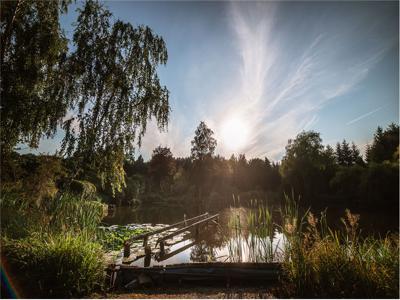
column 226, row 241
column 229, row 240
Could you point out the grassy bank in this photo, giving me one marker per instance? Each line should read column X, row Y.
column 52, row 248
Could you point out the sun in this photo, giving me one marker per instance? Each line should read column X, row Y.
column 234, row 133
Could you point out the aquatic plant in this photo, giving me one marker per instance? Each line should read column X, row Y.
column 114, row 238
column 252, row 234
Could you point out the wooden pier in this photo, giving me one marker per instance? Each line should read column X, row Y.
column 195, row 222
column 129, row 276
column 208, row 273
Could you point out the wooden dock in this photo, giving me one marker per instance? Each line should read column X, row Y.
column 225, row 273
column 181, row 227
column 128, row 277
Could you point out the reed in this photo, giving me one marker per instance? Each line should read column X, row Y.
column 252, row 233
column 322, row 262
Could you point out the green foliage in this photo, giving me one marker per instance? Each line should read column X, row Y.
column 346, row 155
column 304, row 165
column 51, row 246
column 34, row 178
column 113, row 239
column 83, row 188
column 203, row 143
column 103, row 91
column 384, row 145
column 69, row 212
column 161, row 166
column 116, row 91
column 380, row 185
column 33, row 55
column 57, row 266
column 346, row 181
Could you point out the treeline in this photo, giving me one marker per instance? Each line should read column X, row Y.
column 320, row 174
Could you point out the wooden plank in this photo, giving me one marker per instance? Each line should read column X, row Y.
column 244, row 272
column 146, row 235
column 173, row 253
column 161, row 239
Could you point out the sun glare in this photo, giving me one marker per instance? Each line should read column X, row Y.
column 234, row 133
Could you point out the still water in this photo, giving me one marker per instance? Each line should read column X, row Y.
column 225, row 241
column 221, row 242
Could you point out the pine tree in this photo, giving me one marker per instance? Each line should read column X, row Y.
column 339, row 154
column 204, row 143
column 355, row 155
column 346, row 153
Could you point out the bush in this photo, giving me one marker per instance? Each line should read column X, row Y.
column 56, row 265
column 85, row 189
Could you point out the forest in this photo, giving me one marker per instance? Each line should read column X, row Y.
column 99, row 88
column 323, row 176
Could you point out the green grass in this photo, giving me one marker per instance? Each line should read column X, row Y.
column 55, row 266
column 52, row 248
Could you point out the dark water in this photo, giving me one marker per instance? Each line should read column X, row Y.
column 224, row 243
column 371, row 222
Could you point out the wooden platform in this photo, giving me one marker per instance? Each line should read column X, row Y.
column 225, row 273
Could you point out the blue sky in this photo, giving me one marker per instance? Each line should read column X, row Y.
column 271, row 70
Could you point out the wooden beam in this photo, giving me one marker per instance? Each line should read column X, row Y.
column 144, row 235
column 162, row 239
column 169, row 255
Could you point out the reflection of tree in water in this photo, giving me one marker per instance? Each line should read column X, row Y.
column 202, row 252
column 212, row 235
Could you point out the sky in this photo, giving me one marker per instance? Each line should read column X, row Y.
column 259, row 73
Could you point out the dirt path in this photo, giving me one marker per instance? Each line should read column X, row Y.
column 193, row 293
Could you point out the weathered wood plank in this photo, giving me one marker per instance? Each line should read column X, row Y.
column 146, row 235
column 168, row 236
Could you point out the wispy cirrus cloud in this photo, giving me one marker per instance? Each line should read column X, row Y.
column 279, row 104
column 287, row 71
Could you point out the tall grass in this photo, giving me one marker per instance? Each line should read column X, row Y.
column 53, row 247
column 322, row 262
column 318, row 261
column 56, row 265
column 252, row 235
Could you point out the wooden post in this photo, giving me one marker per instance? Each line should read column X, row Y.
column 197, row 230
column 162, row 249
column 184, row 219
column 145, row 241
column 147, row 259
column 127, row 249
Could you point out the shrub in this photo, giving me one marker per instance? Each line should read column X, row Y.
column 56, row 265
column 85, row 189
